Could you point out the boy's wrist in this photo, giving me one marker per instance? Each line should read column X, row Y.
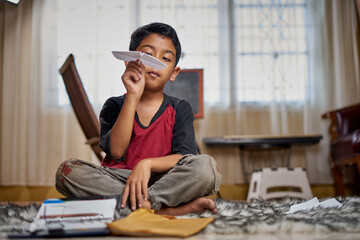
column 132, row 98
column 148, row 163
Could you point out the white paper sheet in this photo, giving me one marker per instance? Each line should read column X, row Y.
column 146, row 59
column 313, row 203
column 330, row 203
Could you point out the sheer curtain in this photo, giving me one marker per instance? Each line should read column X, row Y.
column 333, row 81
column 35, row 137
column 333, row 73
column 39, row 129
column 266, row 54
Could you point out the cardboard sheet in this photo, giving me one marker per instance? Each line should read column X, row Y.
column 144, row 222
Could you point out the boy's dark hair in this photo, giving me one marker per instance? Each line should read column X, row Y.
column 159, row 28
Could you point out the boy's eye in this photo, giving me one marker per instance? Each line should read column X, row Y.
column 166, row 59
column 148, row 53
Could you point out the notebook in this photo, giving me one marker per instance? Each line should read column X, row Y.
column 70, row 217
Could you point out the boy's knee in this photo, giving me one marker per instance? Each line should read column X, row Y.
column 66, row 167
column 208, row 167
column 64, row 170
column 205, row 168
column 201, row 163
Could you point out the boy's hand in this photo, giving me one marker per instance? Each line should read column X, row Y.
column 134, row 79
column 137, row 185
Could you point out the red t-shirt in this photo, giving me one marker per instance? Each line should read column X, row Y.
column 169, row 132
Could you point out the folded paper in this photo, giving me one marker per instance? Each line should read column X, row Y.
column 143, row 222
column 314, row 203
column 146, row 59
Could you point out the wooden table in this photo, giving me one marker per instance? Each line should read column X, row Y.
column 255, row 143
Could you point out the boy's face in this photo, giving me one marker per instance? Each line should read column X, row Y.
column 162, row 48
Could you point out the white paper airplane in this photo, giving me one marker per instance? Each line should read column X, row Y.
column 314, row 203
column 146, row 59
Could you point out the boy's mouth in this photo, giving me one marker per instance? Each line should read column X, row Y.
column 154, row 74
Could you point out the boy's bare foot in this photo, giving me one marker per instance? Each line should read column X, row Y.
column 197, row 206
column 146, row 204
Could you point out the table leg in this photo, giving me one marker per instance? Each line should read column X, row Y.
column 242, row 161
column 283, row 162
column 287, row 156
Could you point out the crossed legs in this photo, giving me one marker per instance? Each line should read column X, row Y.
column 177, row 192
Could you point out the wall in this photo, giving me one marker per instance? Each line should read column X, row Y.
column 21, row 193
column 227, row 191
column 2, row 13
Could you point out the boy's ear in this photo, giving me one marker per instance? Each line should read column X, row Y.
column 174, row 73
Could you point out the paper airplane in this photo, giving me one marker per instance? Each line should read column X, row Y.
column 313, row 203
column 146, row 59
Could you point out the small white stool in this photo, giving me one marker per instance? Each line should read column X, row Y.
column 269, row 183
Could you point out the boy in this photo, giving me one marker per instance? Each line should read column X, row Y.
column 149, row 141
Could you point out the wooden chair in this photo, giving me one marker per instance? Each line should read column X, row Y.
column 81, row 105
column 344, row 131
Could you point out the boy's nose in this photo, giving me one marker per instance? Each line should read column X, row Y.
column 158, row 56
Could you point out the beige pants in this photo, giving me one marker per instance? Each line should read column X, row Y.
column 192, row 177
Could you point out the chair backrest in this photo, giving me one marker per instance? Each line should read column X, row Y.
column 81, row 104
column 348, row 120
column 343, row 120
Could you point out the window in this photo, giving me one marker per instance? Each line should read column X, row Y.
column 271, row 50
column 197, row 25
column 91, row 30
column 251, row 51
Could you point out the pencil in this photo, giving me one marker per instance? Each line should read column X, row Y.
column 70, row 215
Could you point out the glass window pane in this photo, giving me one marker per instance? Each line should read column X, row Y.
column 270, row 43
column 197, row 25
column 272, row 49
column 90, row 30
